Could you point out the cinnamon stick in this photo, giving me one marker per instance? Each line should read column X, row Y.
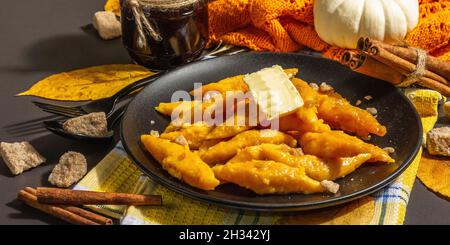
column 373, row 68
column 99, row 219
column 58, row 212
column 77, row 197
column 353, row 60
column 347, row 56
column 433, row 64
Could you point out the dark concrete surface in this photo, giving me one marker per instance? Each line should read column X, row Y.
column 40, row 38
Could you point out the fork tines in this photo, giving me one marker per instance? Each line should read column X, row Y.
column 66, row 111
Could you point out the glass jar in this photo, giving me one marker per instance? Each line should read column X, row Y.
column 162, row 34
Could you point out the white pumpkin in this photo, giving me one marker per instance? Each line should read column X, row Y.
column 342, row 22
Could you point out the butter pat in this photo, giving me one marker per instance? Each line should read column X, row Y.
column 274, row 93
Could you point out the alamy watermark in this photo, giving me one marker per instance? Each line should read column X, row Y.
column 232, row 108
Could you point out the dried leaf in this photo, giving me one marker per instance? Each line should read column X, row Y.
column 88, row 84
column 434, row 172
column 358, row 212
column 113, row 5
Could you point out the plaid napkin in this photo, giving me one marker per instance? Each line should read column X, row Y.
column 117, row 173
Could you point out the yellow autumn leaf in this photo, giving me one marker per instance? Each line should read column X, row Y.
column 434, row 172
column 358, row 212
column 113, row 5
column 91, row 83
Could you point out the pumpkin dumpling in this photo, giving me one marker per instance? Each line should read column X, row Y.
column 332, row 109
column 180, row 162
column 225, row 150
column 340, row 114
column 333, row 144
column 268, row 177
column 230, row 127
column 193, row 134
column 316, row 168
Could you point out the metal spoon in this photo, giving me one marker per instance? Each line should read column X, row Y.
column 56, row 127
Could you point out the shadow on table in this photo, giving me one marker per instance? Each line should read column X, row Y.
column 26, row 213
column 53, row 146
column 72, row 51
column 31, row 122
column 29, row 127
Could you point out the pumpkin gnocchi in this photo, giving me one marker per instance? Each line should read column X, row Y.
column 310, row 148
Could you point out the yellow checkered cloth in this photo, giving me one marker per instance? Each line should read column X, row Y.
column 117, row 173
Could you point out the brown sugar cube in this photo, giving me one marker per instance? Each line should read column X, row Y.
column 372, row 110
column 107, row 25
column 314, row 86
column 330, row 186
column 368, row 97
column 92, row 124
column 389, row 150
column 72, row 166
column 438, row 141
column 325, row 88
column 20, row 156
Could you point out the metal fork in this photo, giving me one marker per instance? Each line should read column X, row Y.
column 107, row 105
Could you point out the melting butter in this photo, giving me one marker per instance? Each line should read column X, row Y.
column 274, row 93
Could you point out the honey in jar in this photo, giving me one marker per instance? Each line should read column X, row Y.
column 161, row 34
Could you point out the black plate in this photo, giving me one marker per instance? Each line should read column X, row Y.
column 394, row 111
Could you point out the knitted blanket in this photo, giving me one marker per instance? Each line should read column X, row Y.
column 288, row 25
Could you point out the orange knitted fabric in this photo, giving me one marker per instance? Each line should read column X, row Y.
column 261, row 24
column 288, row 25
column 433, row 31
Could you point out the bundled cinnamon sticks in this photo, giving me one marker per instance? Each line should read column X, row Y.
column 399, row 65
